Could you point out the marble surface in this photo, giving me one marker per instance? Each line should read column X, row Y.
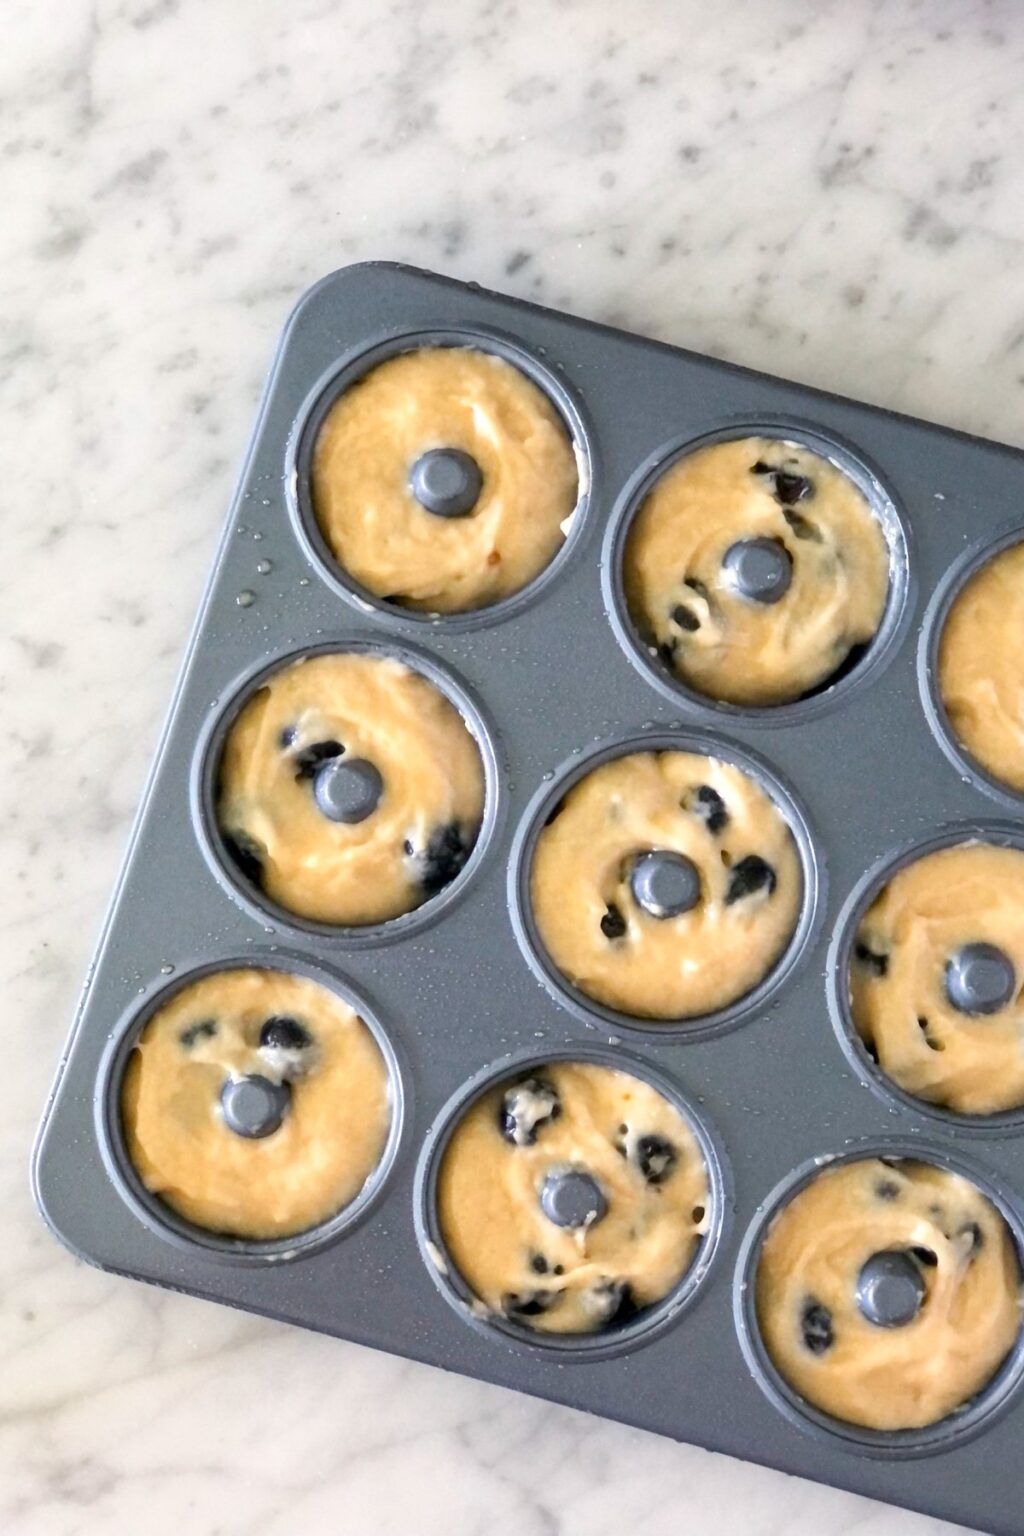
column 830, row 191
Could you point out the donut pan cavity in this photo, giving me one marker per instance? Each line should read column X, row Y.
column 458, row 993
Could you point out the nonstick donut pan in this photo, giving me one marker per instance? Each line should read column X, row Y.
column 460, row 992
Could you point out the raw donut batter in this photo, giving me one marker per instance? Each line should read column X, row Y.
column 443, row 398
column 327, row 713
column 287, row 1030
column 827, row 582
column 963, row 1262
column 966, row 895
column 647, row 1167
column 666, row 967
column 981, row 673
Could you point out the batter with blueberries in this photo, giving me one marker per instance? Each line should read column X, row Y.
column 572, row 1197
column 936, row 977
column 757, row 571
column 349, row 790
column 888, row 1293
column 666, row 884
column 255, row 1104
column 981, row 676
column 444, row 480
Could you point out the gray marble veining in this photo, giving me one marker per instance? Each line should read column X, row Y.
column 832, row 192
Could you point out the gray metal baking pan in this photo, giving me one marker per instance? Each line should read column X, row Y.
column 460, row 991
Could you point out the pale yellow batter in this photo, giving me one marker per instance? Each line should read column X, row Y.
column 970, row 893
column 684, row 603
column 426, row 821
column 901, row 1377
column 333, row 1131
column 633, row 1142
column 443, row 397
column 675, row 967
column 981, row 666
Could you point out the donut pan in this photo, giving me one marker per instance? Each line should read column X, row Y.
column 460, row 992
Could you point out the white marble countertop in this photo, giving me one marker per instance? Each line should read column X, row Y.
column 834, row 192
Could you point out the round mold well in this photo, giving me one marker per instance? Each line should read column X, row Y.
column 160, row 1218
column 830, row 694
column 332, row 385
column 646, row 1325
column 1001, row 834
column 206, row 766
column 967, row 1421
column 697, row 1026
column 960, row 573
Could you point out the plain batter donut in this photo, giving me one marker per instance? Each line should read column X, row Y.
column 968, row 894
column 283, row 1028
column 981, row 672
column 686, row 605
column 456, row 398
column 611, row 948
column 345, row 707
column 646, row 1161
column 888, row 1377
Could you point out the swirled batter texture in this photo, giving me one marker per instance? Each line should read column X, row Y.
column 684, row 602
column 373, row 709
column 981, row 670
column 287, row 1029
column 969, row 894
column 443, row 397
column 902, row 1377
column 645, row 1160
column 607, row 944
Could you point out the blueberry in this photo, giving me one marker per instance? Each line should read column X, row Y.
column 787, row 486
column 525, row 1107
column 538, row 1263
column 929, row 1040
column 667, row 651
column 925, row 1256
column 309, row 759
column 685, row 618
column 445, row 856
column 656, row 1158
column 286, row 737
column 517, row 1304
column 281, row 1033
column 816, row 1326
column 801, row 526
column 710, row 807
column 611, row 1301
column 887, row 1189
column 613, row 924
column 875, row 962
column 791, row 487
column 204, row 1030
column 246, row 854
column 751, row 874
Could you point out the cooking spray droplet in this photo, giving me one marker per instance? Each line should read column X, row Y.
column 167, row 970
column 303, row 581
column 263, row 566
column 245, row 599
